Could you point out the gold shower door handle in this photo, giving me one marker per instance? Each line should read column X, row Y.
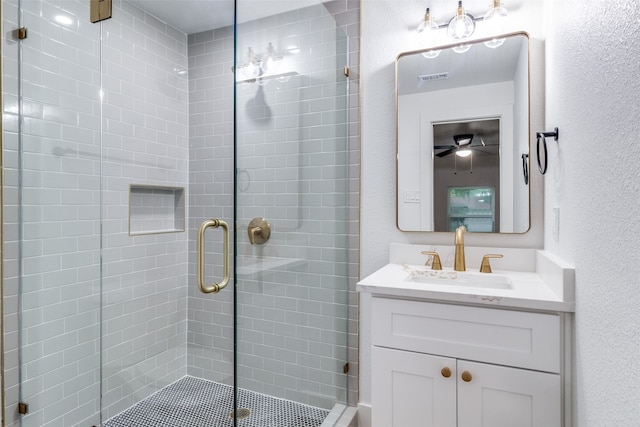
column 216, row 287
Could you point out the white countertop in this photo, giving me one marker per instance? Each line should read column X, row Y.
column 528, row 289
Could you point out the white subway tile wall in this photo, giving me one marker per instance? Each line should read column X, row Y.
column 210, row 327
column 145, row 142
column 300, row 148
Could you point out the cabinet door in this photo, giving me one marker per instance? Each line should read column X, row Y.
column 410, row 390
column 497, row 396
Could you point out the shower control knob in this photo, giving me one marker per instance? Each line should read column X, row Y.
column 259, row 231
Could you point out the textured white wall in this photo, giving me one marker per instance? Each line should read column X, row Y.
column 592, row 94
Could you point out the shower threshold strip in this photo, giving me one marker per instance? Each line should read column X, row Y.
column 195, row 402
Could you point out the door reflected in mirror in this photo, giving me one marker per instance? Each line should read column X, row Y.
column 462, row 128
column 466, row 172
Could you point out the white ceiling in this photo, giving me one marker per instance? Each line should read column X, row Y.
column 194, row 16
column 480, row 65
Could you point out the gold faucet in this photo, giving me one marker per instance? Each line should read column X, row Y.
column 458, row 263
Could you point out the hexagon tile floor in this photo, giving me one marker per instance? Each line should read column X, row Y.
column 194, row 402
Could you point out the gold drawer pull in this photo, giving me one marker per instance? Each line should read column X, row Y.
column 466, row 376
column 446, row 372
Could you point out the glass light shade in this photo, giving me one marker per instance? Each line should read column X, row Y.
column 428, row 35
column 461, row 26
column 463, row 153
column 250, row 69
column 462, row 48
column 430, row 54
column 494, row 23
column 269, row 64
column 427, row 30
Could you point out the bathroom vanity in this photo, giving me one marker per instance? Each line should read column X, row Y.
column 467, row 348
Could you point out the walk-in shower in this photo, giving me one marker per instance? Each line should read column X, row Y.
column 122, row 137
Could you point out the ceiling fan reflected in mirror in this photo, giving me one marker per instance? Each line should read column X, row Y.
column 463, row 146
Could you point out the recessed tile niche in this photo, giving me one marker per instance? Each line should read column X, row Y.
column 156, row 209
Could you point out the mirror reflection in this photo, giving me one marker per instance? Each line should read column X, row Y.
column 462, row 128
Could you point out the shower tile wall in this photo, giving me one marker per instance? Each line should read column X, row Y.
column 298, row 167
column 145, row 142
column 210, row 326
column 144, row 134
column 144, row 139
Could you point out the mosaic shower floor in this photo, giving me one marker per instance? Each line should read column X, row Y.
column 194, row 402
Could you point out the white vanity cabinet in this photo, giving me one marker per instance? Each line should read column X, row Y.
column 441, row 365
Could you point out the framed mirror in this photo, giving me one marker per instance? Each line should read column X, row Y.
column 463, row 137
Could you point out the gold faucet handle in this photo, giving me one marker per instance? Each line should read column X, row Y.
column 436, row 264
column 485, row 267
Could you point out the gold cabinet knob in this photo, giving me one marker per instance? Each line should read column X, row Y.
column 466, row 376
column 446, row 372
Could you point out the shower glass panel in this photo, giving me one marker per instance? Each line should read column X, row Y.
column 145, row 183
column 120, row 139
column 52, row 130
column 291, row 183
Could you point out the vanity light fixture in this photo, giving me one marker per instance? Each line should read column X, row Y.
column 462, row 26
column 262, row 69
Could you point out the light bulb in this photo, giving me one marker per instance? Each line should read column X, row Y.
column 250, row 69
column 461, row 26
column 428, row 35
column 463, row 153
column 461, row 48
column 430, row 54
column 494, row 23
column 269, row 64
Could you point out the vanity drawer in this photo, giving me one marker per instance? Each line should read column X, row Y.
column 503, row 337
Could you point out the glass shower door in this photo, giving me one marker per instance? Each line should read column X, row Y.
column 291, row 214
column 120, row 139
column 53, row 136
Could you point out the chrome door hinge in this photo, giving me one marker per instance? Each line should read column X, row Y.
column 345, row 368
column 346, row 71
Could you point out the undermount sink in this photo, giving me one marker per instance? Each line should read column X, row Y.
column 459, row 278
